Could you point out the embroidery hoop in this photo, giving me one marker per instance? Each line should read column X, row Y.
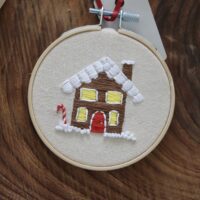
column 128, row 34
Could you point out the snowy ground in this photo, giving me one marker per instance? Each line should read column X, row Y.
column 68, row 128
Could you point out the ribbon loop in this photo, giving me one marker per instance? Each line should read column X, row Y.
column 119, row 4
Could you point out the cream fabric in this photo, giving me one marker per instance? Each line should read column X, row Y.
column 145, row 119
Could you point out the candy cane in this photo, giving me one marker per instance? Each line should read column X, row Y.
column 62, row 108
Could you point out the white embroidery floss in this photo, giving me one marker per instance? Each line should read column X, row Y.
column 133, row 91
column 128, row 62
column 114, row 70
column 75, row 81
column 107, row 66
column 84, row 77
column 138, row 98
column 120, row 78
column 127, row 85
column 91, row 72
column 67, row 87
column 124, row 135
column 98, row 66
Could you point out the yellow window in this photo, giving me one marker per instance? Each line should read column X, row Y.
column 113, row 118
column 114, row 97
column 82, row 114
column 87, row 94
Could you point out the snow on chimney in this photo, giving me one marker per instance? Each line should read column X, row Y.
column 128, row 68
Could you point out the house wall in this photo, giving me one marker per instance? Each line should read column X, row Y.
column 102, row 84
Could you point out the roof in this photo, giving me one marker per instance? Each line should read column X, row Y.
column 112, row 70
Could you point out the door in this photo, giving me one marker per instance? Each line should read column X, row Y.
column 98, row 122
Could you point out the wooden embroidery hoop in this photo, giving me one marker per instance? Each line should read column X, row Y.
column 93, row 28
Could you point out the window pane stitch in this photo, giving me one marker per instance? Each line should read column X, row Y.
column 88, row 94
column 113, row 118
column 114, row 97
column 82, row 114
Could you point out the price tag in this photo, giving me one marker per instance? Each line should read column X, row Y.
column 146, row 26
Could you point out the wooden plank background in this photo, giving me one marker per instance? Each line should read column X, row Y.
column 28, row 170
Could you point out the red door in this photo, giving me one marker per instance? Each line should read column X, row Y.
column 98, row 122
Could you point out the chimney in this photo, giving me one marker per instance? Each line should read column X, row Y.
column 128, row 68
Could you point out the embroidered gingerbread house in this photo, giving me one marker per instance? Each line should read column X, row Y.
column 101, row 90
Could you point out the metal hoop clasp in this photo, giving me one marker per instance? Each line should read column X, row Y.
column 123, row 16
column 101, row 16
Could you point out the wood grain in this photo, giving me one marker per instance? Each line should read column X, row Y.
column 28, row 170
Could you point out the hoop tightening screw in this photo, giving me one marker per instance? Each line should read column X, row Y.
column 126, row 17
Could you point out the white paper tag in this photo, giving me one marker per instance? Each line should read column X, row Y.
column 146, row 26
column 2, row 2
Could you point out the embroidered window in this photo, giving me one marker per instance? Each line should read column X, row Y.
column 82, row 114
column 114, row 97
column 87, row 94
column 113, row 118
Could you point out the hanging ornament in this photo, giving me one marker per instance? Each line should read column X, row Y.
column 116, row 91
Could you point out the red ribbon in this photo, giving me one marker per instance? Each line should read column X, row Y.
column 116, row 10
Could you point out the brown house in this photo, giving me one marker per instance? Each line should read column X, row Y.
column 101, row 91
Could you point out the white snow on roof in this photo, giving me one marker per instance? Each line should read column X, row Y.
column 112, row 70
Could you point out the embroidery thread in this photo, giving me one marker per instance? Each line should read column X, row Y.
column 113, row 118
column 87, row 94
column 98, row 122
column 62, row 108
column 99, row 103
column 114, row 97
column 82, row 114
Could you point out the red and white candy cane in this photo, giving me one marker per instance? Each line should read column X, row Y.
column 61, row 108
